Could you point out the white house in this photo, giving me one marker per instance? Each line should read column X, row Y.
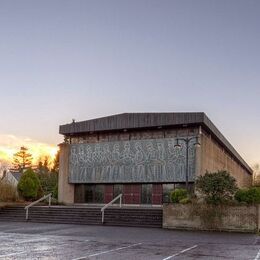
column 11, row 177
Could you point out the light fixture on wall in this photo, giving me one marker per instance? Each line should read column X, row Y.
column 187, row 142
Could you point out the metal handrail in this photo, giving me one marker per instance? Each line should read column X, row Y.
column 35, row 202
column 110, row 203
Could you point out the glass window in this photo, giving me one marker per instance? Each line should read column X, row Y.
column 118, row 189
column 99, row 194
column 180, row 186
column 167, row 189
column 146, row 197
column 89, row 193
column 79, row 192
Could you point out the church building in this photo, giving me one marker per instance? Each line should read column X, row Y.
column 142, row 156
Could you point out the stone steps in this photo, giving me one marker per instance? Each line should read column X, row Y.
column 138, row 217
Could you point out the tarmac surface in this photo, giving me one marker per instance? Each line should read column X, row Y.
column 75, row 242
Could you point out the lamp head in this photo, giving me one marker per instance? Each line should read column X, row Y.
column 177, row 145
column 197, row 143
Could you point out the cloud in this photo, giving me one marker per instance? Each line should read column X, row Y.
column 10, row 144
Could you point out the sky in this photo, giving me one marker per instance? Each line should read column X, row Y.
column 84, row 59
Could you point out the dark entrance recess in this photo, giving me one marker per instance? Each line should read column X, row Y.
column 132, row 193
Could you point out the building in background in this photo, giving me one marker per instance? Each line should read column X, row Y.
column 11, row 177
column 142, row 156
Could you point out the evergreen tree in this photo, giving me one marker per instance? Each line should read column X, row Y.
column 29, row 185
column 46, row 163
column 43, row 165
column 22, row 159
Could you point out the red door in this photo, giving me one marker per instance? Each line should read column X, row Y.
column 157, row 194
column 136, row 191
column 109, row 191
column 127, row 194
column 132, row 193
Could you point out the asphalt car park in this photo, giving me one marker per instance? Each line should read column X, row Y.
column 75, row 242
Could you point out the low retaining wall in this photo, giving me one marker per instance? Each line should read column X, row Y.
column 205, row 217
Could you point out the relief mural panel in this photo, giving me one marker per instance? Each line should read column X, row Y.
column 142, row 161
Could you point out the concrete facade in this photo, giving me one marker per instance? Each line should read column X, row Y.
column 215, row 153
column 215, row 157
column 65, row 189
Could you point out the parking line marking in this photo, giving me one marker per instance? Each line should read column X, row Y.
column 258, row 255
column 13, row 254
column 30, row 240
column 181, row 252
column 108, row 251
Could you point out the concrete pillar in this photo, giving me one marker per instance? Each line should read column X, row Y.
column 66, row 190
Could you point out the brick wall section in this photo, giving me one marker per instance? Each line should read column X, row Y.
column 214, row 157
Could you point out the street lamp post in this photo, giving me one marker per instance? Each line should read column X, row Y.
column 187, row 142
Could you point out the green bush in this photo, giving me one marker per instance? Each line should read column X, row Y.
column 185, row 201
column 55, row 192
column 49, row 182
column 29, row 185
column 178, row 195
column 249, row 196
column 216, row 187
column 241, row 195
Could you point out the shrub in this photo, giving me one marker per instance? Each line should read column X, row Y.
column 178, row 195
column 241, row 195
column 49, row 182
column 185, row 201
column 55, row 192
column 216, row 187
column 249, row 196
column 29, row 186
column 7, row 192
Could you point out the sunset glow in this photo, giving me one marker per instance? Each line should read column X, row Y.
column 10, row 144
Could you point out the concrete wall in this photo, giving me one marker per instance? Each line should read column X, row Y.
column 201, row 217
column 65, row 190
column 214, row 157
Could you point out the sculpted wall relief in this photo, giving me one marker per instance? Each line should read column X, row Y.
column 154, row 160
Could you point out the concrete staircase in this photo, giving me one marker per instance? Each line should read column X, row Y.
column 114, row 216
